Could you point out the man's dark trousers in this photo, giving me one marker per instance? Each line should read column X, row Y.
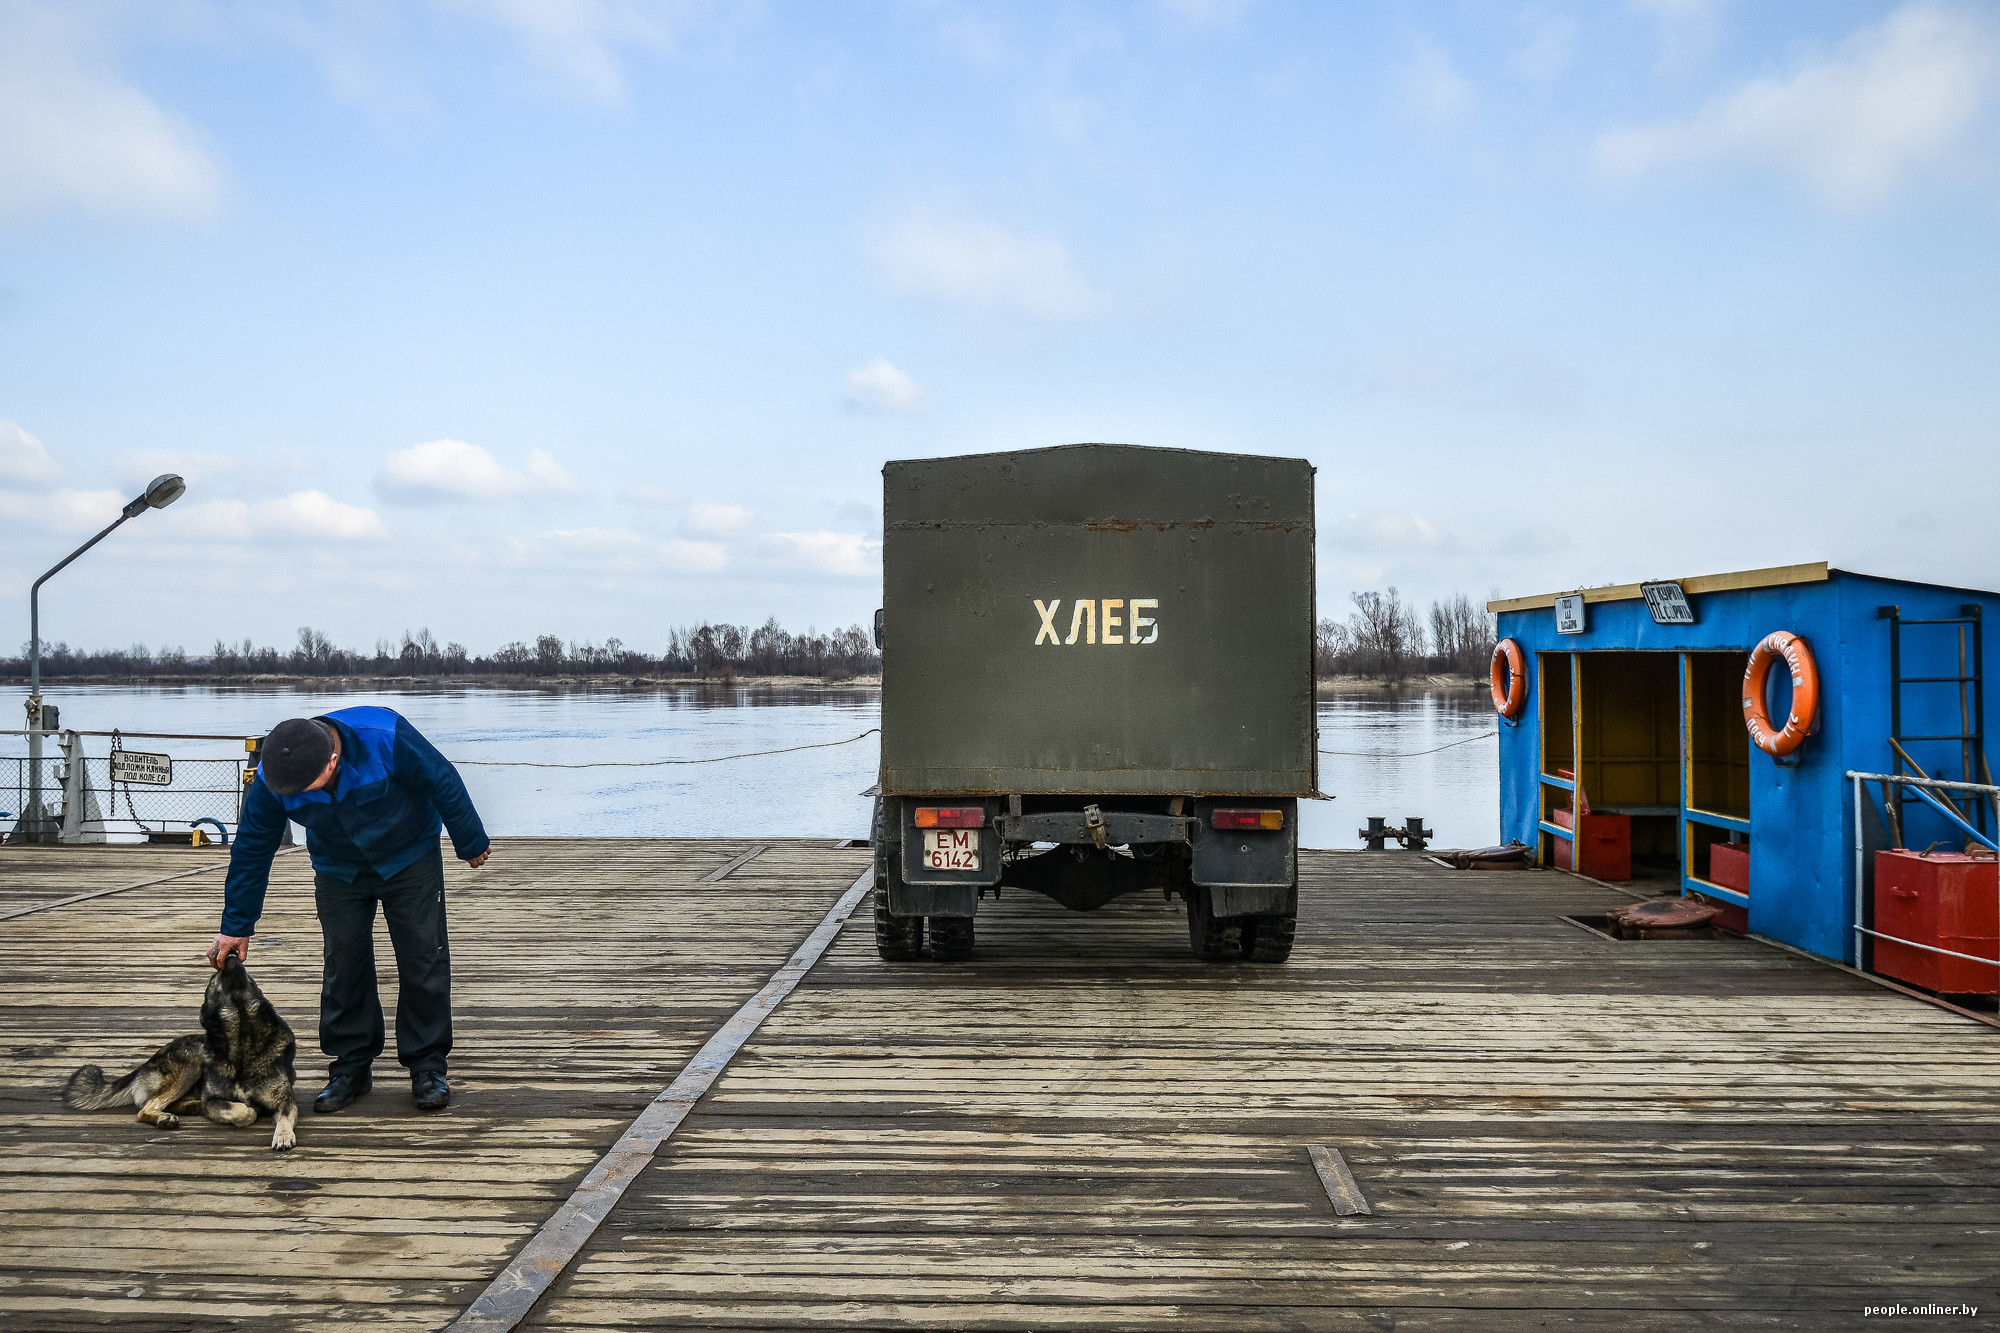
column 350, row 1007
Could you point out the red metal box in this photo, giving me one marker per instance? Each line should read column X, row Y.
column 1729, row 865
column 1948, row 900
column 1604, row 844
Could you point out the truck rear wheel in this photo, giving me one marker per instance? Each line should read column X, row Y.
column 1268, row 939
column 1214, row 939
column 899, row 939
column 951, row 938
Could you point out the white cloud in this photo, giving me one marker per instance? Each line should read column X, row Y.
column 983, row 263
column 65, row 511
column 315, row 515
column 1433, row 86
column 303, row 516
column 1380, row 532
column 723, row 542
column 881, row 384
column 601, row 548
column 451, row 470
column 616, row 551
column 24, row 462
column 716, row 520
column 687, row 557
column 844, row 554
column 75, row 135
column 1851, row 125
column 578, row 39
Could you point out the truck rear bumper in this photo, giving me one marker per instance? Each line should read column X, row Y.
column 1243, row 871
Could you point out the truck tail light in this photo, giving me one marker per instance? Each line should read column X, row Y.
column 1242, row 819
column 951, row 816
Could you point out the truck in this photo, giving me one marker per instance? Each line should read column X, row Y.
column 1097, row 679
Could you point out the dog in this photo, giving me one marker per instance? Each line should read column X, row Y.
column 241, row 1060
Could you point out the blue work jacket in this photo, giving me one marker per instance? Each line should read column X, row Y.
column 391, row 794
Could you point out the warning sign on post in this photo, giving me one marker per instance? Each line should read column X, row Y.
column 155, row 770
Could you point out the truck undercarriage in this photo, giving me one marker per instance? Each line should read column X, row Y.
column 1234, row 865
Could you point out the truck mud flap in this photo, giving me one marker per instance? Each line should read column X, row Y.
column 933, row 899
column 1252, row 899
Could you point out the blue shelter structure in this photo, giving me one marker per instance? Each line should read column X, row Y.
column 1638, row 715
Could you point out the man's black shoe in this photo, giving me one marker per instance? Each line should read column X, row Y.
column 339, row 1091
column 429, row 1088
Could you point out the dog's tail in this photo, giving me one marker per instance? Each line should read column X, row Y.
column 87, row 1090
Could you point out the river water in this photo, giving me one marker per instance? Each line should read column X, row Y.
column 1377, row 766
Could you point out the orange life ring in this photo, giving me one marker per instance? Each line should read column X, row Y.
column 1510, row 696
column 1805, row 693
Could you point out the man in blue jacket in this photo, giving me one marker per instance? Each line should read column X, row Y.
column 372, row 794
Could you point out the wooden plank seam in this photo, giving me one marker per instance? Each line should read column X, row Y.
column 1340, row 1184
column 508, row 1298
column 734, row 864
column 122, row 888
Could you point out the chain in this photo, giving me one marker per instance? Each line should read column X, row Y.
column 110, row 769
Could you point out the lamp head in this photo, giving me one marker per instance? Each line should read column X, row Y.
column 164, row 489
column 160, row 492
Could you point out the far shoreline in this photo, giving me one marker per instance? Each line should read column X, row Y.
column 621, row 682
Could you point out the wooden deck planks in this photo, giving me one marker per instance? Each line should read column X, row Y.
column 585, row 973
column 1082, row 1128
column 1085, row 1128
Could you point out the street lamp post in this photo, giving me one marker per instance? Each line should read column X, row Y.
column 162, row 491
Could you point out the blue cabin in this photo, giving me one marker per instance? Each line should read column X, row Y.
column 1633, row 713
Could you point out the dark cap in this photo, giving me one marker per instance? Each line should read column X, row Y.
column 294, row 755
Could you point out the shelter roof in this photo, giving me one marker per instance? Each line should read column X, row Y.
column 1818, row 571
column 1776, row 576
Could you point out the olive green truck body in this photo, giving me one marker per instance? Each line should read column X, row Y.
column 1097, row 646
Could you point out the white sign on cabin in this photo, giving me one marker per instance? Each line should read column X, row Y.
column 1569, row 613
column 155, row 770
column 1668, row 604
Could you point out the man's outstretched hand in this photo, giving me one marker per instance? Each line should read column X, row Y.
column 228, row 944
column 477, row 861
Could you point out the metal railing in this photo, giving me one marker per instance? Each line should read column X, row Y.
column 17, row 789
column 1922, row 787
column 83, row 800
column 92, row 797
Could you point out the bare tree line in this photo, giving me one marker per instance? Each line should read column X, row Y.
column 1382, row 638
column 706, row 651
column 1387, row 639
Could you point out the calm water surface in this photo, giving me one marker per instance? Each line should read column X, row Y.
column 810, row 793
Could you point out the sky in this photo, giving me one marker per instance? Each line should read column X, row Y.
column 594, row 317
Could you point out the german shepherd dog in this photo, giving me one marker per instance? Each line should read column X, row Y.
column 241, row 1059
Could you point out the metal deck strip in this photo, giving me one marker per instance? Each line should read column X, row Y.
column 511, row 1295
column 122, row 888
column 734, row 864
column 1339, row 1181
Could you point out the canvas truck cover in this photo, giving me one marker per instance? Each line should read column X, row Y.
column 1098, row 618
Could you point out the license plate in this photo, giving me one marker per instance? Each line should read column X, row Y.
column 951, row 849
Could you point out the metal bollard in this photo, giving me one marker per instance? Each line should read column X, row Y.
column 1414, row 836
column 1376, row 834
